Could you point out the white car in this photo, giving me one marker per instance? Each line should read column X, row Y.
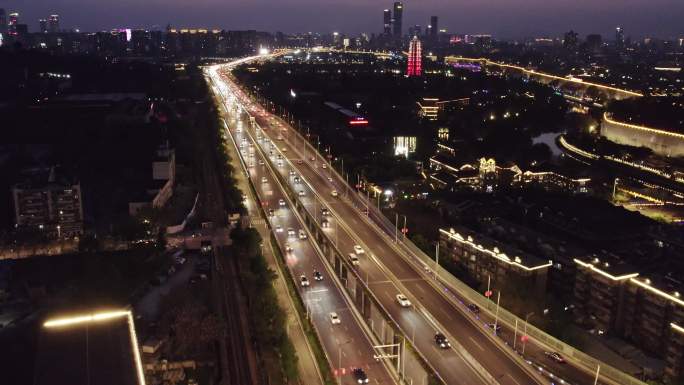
column 281, row 202
column 301, row 193
column 358, row 250
column 334, row 318
column 288, row 248
column 304, row 281
column 325, row 166
column 403, row 301
column 264, row 180
column 292, row 173
column 302, row 234
column 290, row 232
column 354, row 259
column 334, row 193
column 279, row 229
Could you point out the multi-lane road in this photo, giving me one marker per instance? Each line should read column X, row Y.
column 387, row 269
column 347, row 345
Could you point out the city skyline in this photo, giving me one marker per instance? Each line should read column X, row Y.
column 506, row 20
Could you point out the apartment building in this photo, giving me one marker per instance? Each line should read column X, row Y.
column 47, row 202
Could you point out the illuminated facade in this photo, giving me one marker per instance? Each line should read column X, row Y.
column 613, row 298
column 485, row 258
column 429, row 108
column 414, row 67
column 12, row 23
column 663, row 142
column 404, row 145
column 387, row 22
column 53, row 23
column 398, row 18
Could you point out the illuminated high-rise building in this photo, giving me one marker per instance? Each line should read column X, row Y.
column 12, row 23
column 619, row 37
column 387, row 21
column 398, row 16
column 414, row 58
column 432, row 28
column 53, row 23
column 43, row 25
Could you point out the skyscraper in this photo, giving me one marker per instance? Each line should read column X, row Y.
column 414, row 58
column 53, row 23
column 387, row 21
column 3, row 21
column 619, row 37
column 396, row 21
column 43, row 25
column 12, row 23
column 433, row 27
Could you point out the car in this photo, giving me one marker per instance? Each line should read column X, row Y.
column 494, row 326
column 264, row 180
column 334, row 318
column 279, row 229
column 301, row 193
column 442, row 341
column 297, row 179
column 291, row 232
column 403, row 301
column 281, row 202
column 280, row 163
column 325, row 212
column 360, row 376
column 299, row 161
column 474, row 308
column 325, row 224
column 302, row 234
column 317, row 275
column 244, row 197
column 358, row 250
column 304, row 281
column 329, row 179
column 288, row 248
column 354, row 259
column 178, row 260
column 261, row 162
column 556, row 357
column 312, row 159
column 271, row 213
column 279, row 157
column 283, row 149
column 334, row 193
column 292, row 173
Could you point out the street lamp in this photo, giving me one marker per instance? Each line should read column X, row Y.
column 527, row 317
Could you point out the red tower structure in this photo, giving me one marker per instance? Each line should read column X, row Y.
column 414, row 58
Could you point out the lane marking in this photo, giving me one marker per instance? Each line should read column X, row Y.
column 477, row 344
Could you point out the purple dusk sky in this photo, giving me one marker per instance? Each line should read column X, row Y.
column 502, row 18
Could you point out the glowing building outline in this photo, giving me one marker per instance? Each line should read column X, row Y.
column 414, row 67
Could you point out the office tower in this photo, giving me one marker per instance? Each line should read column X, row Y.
column 43, row 25
column 53, row 23
column 396, row 21
column 3, row 21
column 594, row 42
column 619, row 37
column 414, row 58
column 414, row 31
column 387, row 21
column 12, row 23
column 433, row 27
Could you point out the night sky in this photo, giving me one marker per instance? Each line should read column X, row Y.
column 502, row 18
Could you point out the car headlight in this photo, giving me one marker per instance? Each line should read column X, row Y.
column 360, row 381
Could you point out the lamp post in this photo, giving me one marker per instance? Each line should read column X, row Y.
column 527, row 317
